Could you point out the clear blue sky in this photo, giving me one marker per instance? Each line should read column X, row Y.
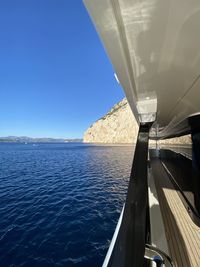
column 55, row 78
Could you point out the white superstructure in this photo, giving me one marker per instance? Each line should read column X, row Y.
column 154, row 47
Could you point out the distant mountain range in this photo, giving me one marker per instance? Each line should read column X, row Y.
column 25, row 139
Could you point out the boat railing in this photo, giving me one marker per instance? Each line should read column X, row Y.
column 128, row 246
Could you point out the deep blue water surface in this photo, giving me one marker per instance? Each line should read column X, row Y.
column 59, row 203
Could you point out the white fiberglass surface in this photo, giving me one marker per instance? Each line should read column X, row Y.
column 154, row 46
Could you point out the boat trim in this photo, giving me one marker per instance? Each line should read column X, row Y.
column 112, row 243
column 129, row 247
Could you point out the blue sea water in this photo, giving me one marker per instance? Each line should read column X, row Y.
column 59, row 203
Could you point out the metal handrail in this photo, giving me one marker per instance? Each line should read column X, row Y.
column 158, row 256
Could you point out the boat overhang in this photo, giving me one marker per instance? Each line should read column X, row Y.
column 153, row 46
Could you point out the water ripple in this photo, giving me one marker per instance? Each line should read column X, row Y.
column 60, row 202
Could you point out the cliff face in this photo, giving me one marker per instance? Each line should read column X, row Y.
column 119, row 126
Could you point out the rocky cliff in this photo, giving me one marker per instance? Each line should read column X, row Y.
column 119, row 126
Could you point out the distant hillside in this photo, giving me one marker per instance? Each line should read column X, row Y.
column 25, row 139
